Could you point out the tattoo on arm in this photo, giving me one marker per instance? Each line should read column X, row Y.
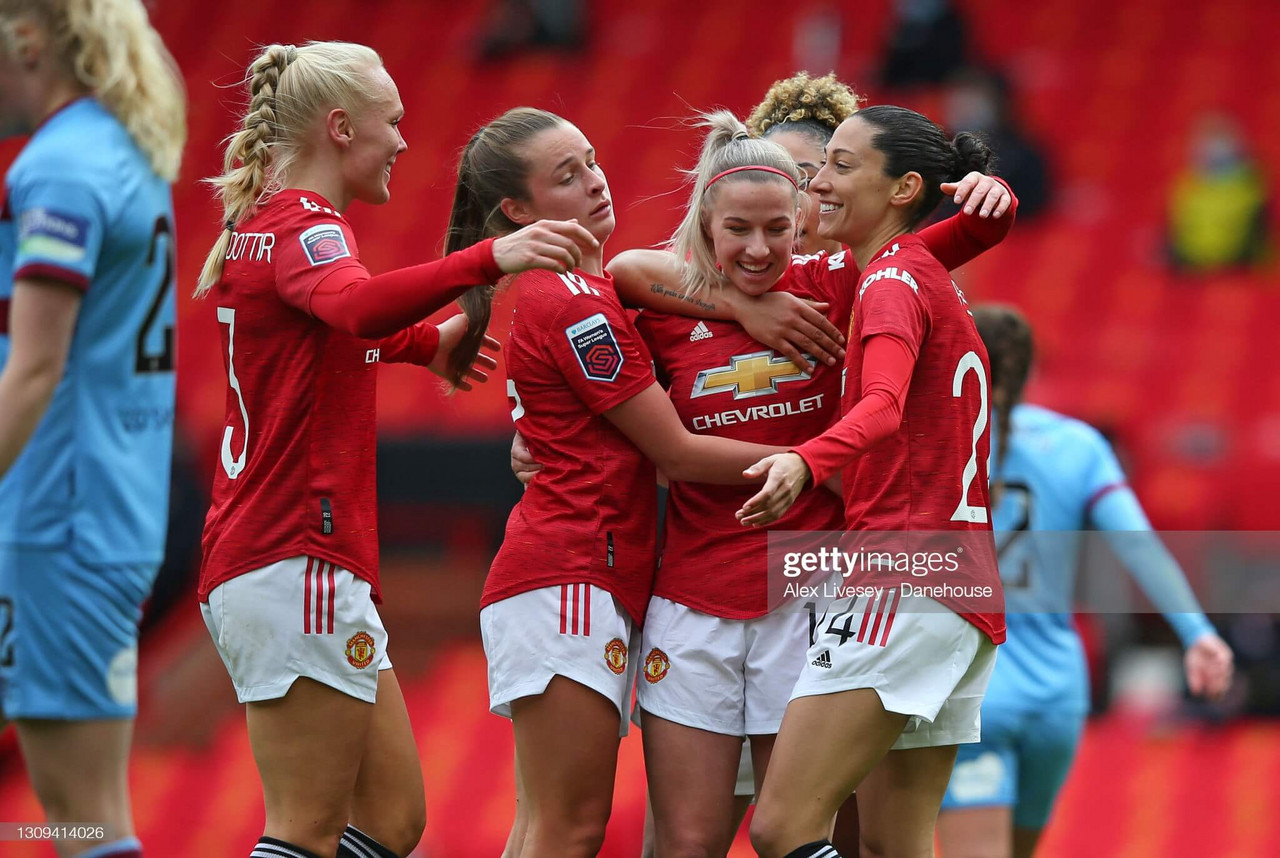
column 659, row 289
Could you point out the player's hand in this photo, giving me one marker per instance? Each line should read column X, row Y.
column 791, row 326
column 979, row 193
column 556, row 245
column 1209, row 664
column 523, row 465
column 785, row 475
column 451, row 331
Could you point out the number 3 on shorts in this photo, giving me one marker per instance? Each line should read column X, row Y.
column 964, row 511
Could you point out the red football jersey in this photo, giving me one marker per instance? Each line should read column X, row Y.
column 590, row 514
column 725, row 383
column 297, row 472
column 930, row 475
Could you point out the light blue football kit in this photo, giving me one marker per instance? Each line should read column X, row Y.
column 84, row 509
column 1060, row 477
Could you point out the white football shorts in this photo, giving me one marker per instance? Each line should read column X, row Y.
column 298, row 617
column 727, row 676
column 924, row 661
column 578, row 631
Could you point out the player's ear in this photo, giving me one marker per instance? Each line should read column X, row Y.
column 907, row 189
column 517, row 211
column 338, row 127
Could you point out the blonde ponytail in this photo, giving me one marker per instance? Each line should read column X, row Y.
column 288, row 86
column 112, row 50
column 728, row 145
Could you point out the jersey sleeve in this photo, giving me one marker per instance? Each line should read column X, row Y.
column 960, row 238
column 60, row 223
column 313, row 247
column 417, row 344
column 886, row 375
column 889, row 302
column 1101, row 473
column 598, row 351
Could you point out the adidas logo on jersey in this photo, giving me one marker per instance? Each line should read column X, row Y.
column 823, row 660
column 700, row 332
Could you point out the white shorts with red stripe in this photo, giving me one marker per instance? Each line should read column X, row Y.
column 298, row 617
column 924, row 660
column 577, row 631
column 726, row 676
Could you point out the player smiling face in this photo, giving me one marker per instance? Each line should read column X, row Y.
column 752, row 227
column 375, row 142
column 854, row 193
column 564, row 182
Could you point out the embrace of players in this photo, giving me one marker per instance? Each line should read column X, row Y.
column 796, row 358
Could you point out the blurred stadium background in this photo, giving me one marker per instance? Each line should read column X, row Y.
column 1171, row 350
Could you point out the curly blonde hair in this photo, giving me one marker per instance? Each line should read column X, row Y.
column 816, row 103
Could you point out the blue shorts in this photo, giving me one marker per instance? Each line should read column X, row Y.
column 69, row 635
column 1022, row 761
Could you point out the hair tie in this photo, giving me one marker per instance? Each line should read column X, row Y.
column 231, row 225
column 718, row 176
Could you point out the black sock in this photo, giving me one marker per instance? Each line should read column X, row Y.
column 816, row 849
column 269, row 847
column 356, row 844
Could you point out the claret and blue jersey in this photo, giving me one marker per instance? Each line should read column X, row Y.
column 1061, row 477
column 82, row 206
column 1058, row 478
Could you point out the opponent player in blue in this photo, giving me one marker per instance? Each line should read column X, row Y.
column 86, row 392
column 1051, row 473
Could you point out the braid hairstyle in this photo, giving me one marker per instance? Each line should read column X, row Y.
column 491, row 168
column 111, row 49
column 288, row 87
column 728, row 145
column 1011, row 351
column 814, row 106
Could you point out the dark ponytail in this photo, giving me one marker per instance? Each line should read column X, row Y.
column 913, row 143
column 489, row 171
column 1011, row 351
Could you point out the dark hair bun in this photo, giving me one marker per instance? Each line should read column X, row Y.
column 972, row 155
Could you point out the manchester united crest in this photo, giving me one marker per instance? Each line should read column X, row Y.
column 615, row 655
column 360, row 650
column 656, row 666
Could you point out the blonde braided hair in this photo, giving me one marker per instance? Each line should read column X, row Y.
column 288, row 86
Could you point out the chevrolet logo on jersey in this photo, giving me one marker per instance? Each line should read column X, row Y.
column 756, row 374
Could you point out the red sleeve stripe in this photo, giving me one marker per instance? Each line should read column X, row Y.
column 53, row 272
column 4, row 317
column 1103, row 492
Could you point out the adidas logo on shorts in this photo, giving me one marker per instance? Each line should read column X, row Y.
column 823, row 660
column 700, row 332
